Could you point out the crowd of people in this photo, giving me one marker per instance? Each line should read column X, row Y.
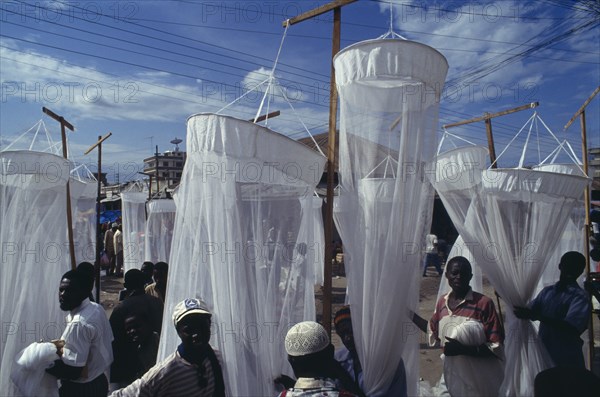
column 117, row 356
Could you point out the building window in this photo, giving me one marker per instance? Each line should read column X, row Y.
column 178, row 164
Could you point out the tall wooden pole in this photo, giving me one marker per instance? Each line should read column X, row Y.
column 98, row 207
column 65, row 124
column 328, row 222
column 587, row 204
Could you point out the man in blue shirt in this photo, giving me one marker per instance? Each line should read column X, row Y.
column 563, row 312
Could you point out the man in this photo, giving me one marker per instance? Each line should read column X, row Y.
column 124, row 369
column 159, row 287
column 466, row 324
column 87, row 352
column 193, row 370
column 88, row 270
column 347, row 356
column 109, row 248
column 562, row 310
column 432, row 256
column 118, row 245
column 311, row 356
column 148, row 270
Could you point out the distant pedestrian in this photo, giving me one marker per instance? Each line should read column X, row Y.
column 159, row 287
column 432, row 256
column 118, row 245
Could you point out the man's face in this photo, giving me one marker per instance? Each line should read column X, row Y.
column 160, row 277
column 69, row 295
column 459, row 276
column 136, row 329
column 194, row 331
column 344, row 331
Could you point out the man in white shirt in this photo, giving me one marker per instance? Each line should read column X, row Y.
column 118, row 245
column 431, row 254
column 87, row 353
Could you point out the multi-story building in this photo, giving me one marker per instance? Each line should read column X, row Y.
column 168, row 166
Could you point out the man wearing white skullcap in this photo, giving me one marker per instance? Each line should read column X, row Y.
column 310, row 354
column 193, row 370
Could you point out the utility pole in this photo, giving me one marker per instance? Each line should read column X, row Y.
column 98, row 206
column 156, row 159
column 336, row 6
column 587, row 204
column 64, row 123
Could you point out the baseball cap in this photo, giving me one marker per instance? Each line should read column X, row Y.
column 187, row 307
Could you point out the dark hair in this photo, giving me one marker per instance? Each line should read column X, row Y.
column 134, row 279
column 161, row 267
column 79, row 278
column 147, row 264
column 459, row 260
column 87, row 269
column 573, row 262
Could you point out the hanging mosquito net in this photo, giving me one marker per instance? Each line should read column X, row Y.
column 389, row 94
column 133, row 214
column 84, row 192
column 244, row 242
column 508, row 220
column 159, row 230
column 457, row 172
column 34, row 251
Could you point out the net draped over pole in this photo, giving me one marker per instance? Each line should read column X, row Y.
column 244, row 243
column 389, row 97
column 34, row 251
column 159, row 230
column 133, row 213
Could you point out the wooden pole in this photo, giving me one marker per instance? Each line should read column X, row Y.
column 98, row 207
column 487, row 118
column 266, row 116
column 328, row 222
column 65, row 124
column 586, row 199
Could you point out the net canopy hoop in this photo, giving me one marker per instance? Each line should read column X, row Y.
column 52, row 146
column 391, row 34
column 447, row 134
column 487, row 118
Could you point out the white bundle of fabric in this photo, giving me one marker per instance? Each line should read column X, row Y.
column 485, row 373
column 29, row 374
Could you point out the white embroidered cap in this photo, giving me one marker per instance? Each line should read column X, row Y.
column 305, row 338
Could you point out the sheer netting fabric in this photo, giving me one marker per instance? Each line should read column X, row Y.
column 244, row 242
column 34, row 252
column 457, row 172
column 84, row 194
column 159, row 230
column 389, row 97
column 513, row 237
column 133, row 212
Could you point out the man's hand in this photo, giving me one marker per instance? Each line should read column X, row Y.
column 524, row 313
column 452, row 347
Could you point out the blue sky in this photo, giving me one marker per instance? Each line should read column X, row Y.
column 139, row 68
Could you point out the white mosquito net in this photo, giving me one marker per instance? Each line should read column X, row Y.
column 244, row 243
column 457, row 172
column 133, row 214
column 84, row 193
column 33, row 249
column 509, row 218
column 389, row 95
column 159, row 230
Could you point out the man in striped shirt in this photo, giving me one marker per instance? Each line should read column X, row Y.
column 193, row 370
column 466, row 324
